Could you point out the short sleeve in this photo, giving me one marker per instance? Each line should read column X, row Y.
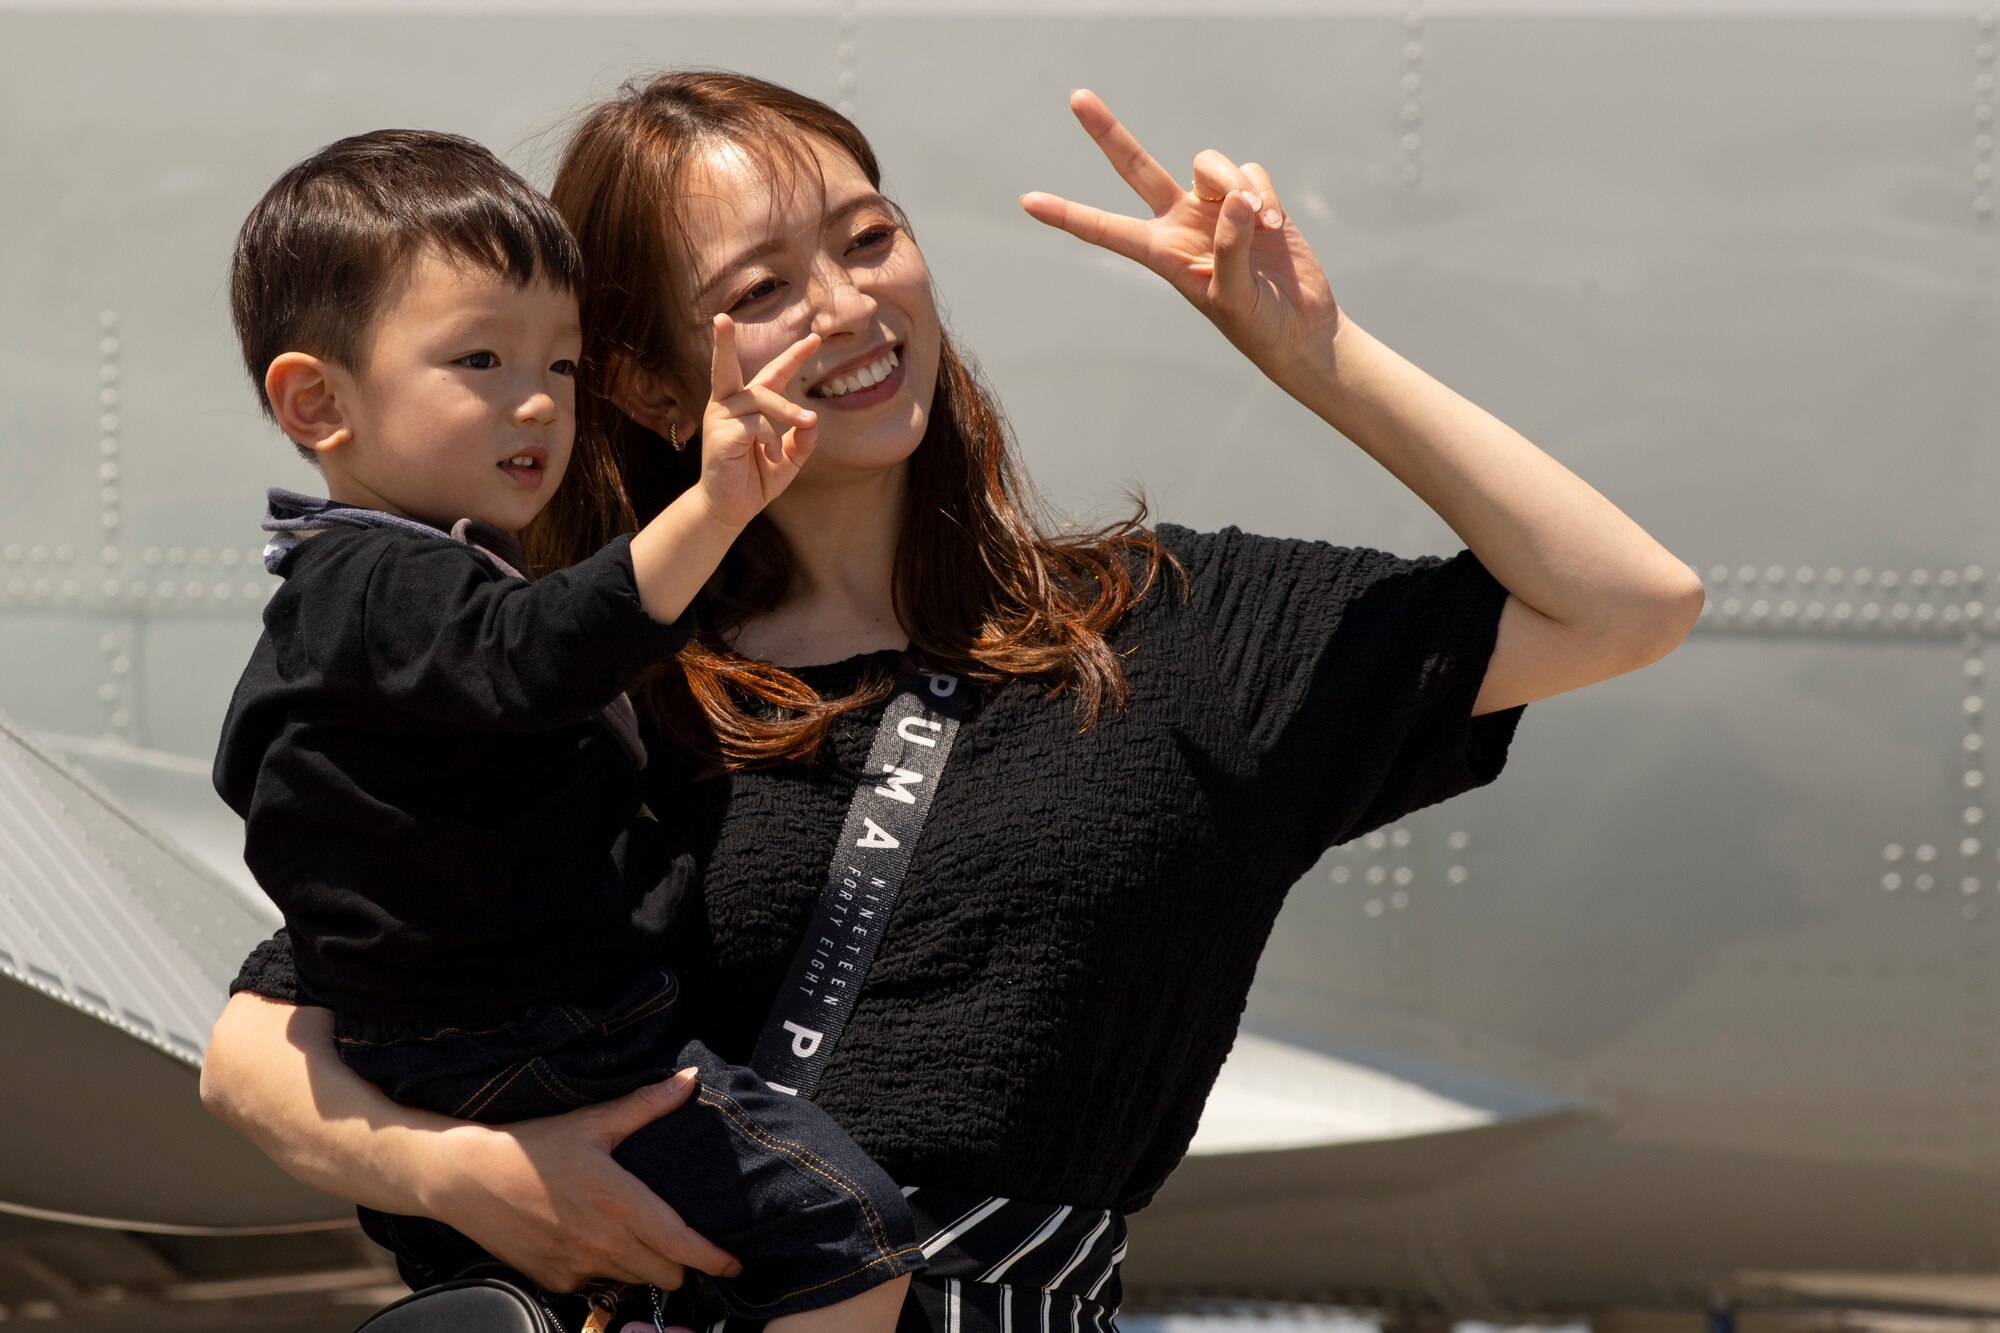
column 271, row 971
column 1352, row 673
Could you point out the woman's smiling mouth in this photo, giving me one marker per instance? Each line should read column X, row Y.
column 852, row 388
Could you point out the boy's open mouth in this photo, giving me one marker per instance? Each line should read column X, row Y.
column 532, row 459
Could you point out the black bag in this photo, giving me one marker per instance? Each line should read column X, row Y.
column 488, row 1304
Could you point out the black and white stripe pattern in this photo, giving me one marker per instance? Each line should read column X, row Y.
column 1008, row 1266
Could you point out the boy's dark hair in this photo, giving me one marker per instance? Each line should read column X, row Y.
column 330, row 236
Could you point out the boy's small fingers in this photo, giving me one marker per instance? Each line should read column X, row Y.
column 770, row 443
column 774, row 405
column 786, row 365
column 800, row 442
column 725, row 372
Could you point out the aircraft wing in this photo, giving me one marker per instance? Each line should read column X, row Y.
column 116, row 953
column 1301, row 1150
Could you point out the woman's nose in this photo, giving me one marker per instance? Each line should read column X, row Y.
column 838, row 305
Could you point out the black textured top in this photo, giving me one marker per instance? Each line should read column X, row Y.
column 452, row 834
column 1073, row 949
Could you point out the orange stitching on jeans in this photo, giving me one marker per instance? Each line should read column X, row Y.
column 734, row 1110
column 552, row 1082
column 889, row 1257
column 804, row 1155
column 467, row 1110
column 646, row 1008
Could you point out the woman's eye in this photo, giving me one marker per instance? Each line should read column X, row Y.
column 874, row 236
column 563, row 367
column 762, row 288
column 479, row 361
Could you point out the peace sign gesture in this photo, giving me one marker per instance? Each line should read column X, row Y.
column 1227, row 245
column 753, row 438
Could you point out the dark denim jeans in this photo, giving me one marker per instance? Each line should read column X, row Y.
column 767, row 1176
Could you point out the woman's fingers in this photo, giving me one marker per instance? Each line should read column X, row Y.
column 1115, row 232
column 1148, row 179
column 657, row 1228
column 1215, row 176
column 667, row 1244
column 545, row 1197
column 610, row 1123
column 1273, row 215
column 1232, row 287
column 725, row 372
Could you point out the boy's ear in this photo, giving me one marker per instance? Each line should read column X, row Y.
column 305, row 399
column 651, row 401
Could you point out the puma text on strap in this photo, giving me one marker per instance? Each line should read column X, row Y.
column 890, row 805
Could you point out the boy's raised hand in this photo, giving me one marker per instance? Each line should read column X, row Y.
column 753, row 438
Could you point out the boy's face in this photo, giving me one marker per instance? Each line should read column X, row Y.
column 465, row 403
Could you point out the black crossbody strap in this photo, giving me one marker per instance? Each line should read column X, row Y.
column 869, row 863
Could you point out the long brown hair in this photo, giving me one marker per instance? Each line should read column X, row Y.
column 985, row 586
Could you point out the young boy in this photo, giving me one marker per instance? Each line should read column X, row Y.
column 436, row 762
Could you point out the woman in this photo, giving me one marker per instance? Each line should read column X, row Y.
column 1168, row 727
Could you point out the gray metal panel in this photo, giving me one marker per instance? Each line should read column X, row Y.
column 100, row 914
column 1725, row 258
column 113, row 942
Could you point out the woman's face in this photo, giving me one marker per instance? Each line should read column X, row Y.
column 785, row 254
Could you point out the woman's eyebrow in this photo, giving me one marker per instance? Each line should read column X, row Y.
column 772, row 244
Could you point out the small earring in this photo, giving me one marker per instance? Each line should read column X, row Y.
column 674, row 436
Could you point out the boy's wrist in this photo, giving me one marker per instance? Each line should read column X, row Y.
column 715, row 519
column 674, row 555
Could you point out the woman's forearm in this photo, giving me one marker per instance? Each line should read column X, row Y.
column 272, row 1075
column 1558, row 546
column 544, row 1196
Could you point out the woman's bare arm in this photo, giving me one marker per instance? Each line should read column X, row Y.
column 543, row 1196
column 1592, row 594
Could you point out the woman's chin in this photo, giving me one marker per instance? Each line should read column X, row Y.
column 856, row 455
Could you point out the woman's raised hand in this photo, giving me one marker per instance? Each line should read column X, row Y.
column 1226, row 245
column 545, row 1197
column 753, row 438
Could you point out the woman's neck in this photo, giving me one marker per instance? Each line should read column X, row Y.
column 842, row 533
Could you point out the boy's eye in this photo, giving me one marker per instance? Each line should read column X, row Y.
column 563, row 367
column 479, row 361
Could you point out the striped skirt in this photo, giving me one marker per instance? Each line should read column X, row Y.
column 1007, row 1266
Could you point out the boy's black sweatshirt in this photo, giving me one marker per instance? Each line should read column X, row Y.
column 429, row 796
